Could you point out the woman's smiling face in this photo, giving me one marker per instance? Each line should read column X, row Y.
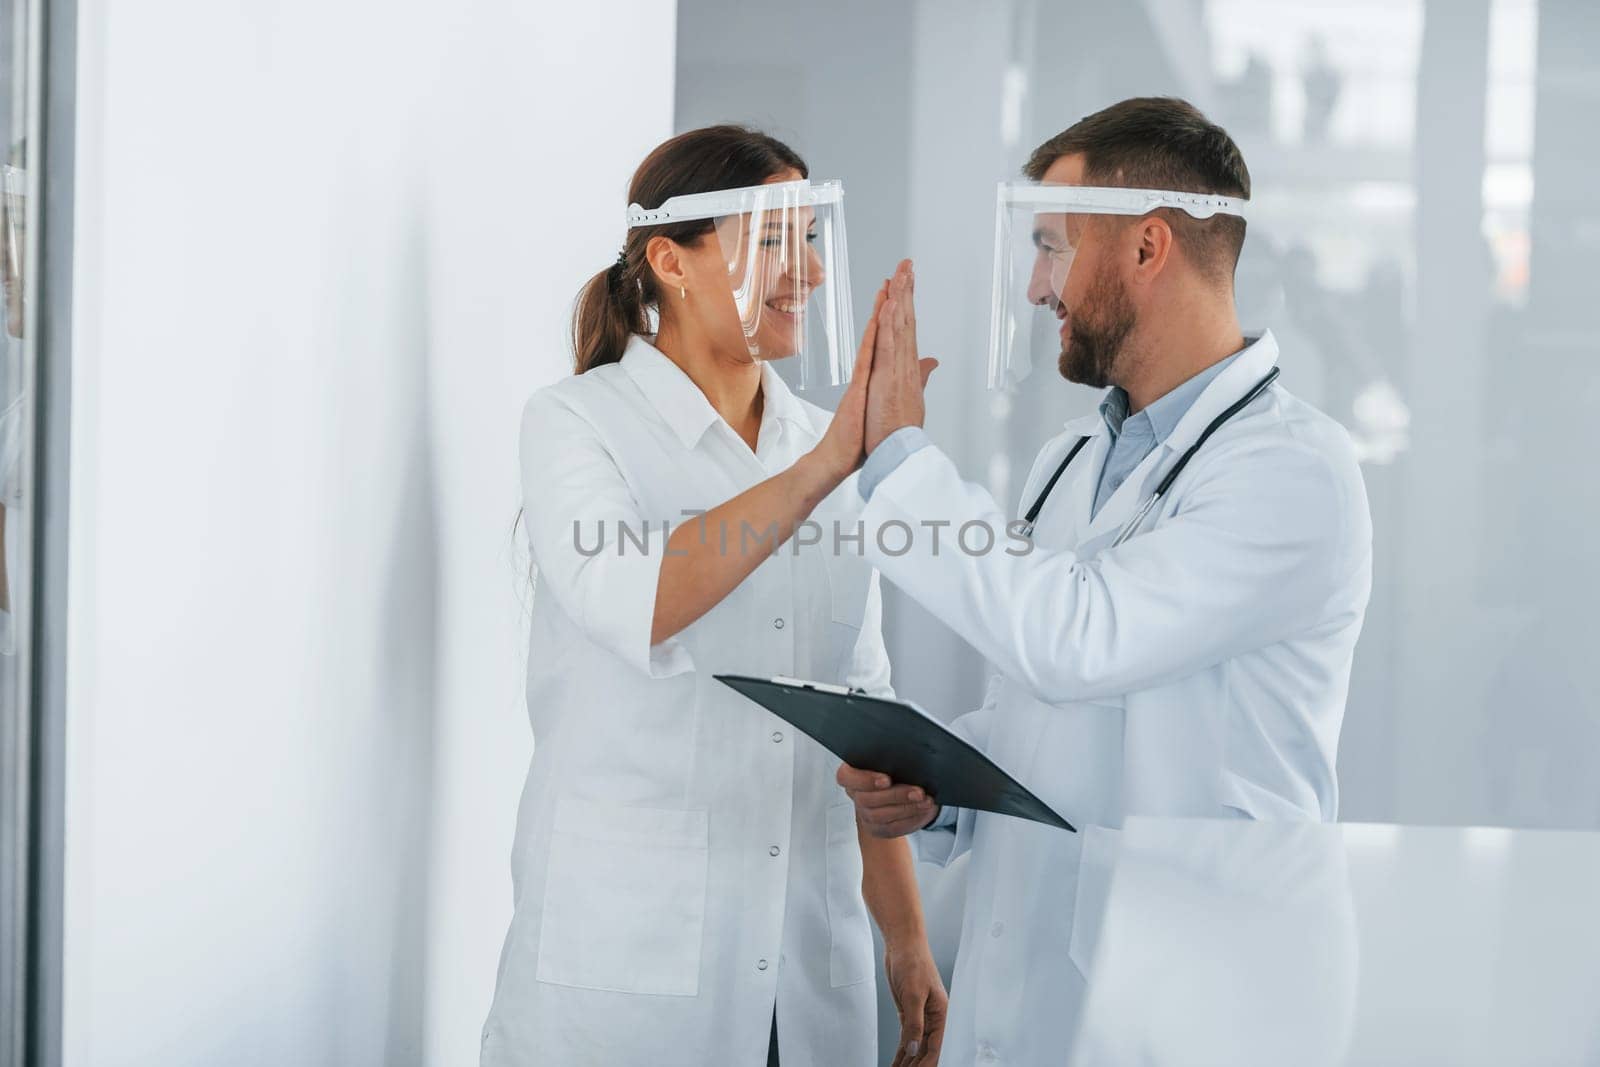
column 766, row 262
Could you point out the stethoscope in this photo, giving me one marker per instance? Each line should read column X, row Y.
column 1166, row 483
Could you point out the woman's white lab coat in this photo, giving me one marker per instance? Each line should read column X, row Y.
column 683, row 859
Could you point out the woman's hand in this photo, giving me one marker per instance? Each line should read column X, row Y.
column 841, row 450
column 697, row 572
column 920, row 1000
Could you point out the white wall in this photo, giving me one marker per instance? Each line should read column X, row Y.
column 324, row 249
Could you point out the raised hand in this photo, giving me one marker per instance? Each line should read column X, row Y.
column 898, row 374
column 842, row 446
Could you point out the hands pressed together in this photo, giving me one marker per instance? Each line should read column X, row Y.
column 885, row 392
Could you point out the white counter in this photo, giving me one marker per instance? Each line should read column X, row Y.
column 1286, row 944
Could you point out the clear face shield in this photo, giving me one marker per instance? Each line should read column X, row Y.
column 1039, row 230
column 787, row 281
column 13, row 206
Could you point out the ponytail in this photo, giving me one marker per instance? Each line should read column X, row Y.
column 610, row 310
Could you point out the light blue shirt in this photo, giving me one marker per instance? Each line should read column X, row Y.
column 1132, row 437
column 890, row 453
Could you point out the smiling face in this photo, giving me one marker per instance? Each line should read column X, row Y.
column 743, row 287
column 772, row 269
column 1074, row 277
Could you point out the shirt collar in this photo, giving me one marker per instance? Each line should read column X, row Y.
column 681, row 403
column 1114, row 410
column 778, row 399
column 1167, row 411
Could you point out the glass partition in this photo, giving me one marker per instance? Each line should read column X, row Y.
column 1423, row 251
column 19, row 109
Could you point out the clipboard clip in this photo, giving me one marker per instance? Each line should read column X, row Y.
column 820, row 687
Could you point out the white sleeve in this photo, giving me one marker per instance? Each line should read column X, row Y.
column 584, row 532
column 1269, row 535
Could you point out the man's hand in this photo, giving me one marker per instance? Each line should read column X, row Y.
column 886, row 809
column 898, row 376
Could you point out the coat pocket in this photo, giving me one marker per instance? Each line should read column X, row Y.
column 625, row 899
column 849, row 584
column 850, row 949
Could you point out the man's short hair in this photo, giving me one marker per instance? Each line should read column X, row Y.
column 1161, row 142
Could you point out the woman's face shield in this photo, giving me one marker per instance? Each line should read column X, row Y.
column 1040, row 231
column 786, row 271
column 13, row 257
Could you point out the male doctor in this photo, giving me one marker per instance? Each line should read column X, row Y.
column 1172, row 645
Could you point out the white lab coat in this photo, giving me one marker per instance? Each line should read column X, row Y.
column 683, row 859
column 1199, row 669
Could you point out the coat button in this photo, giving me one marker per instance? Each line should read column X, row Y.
column 774, row 850
column 777, row 737
column 761, row 965
column 777, row 624
column 997, row 929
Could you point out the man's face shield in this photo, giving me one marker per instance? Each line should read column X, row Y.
column 1041, row 232
column 786, row 271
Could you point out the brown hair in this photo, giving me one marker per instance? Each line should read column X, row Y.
column 1161, row 142
column 612, row 306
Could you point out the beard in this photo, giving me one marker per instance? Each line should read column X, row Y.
column 1095, row 338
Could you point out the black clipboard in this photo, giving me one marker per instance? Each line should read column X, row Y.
column 901, row 740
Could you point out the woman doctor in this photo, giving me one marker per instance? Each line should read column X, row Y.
column 690, row 886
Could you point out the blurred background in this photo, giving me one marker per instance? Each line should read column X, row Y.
column 1418, row 249
column 281, row 275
